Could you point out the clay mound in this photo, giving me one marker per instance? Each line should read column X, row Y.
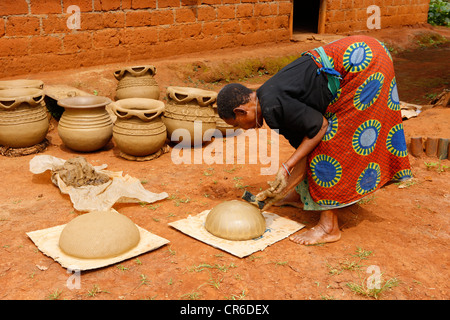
column 99, row 235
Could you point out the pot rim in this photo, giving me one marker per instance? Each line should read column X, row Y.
column 21, row 83
column 84, row 102
column 17, row 92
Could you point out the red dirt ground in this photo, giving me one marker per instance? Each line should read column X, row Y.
column 403, row 230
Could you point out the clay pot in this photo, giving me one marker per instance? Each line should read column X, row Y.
column 189, row 109
column 85, row 125
column 139, row 130
column 235, row 220
column 137, row 82
column 23, row 117
column 21, row 83
column 416, row 147
column 442, row 150
column 431, row 146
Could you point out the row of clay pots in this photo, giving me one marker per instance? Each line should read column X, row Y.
column 433, row 147
column 141, row 125
column 143, row 122
column 189, row 104
column 23, row 116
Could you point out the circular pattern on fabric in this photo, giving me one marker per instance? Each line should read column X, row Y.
column 386, row 49
column 365, row 137
column 319, row 59
column 357, row 57
column 369, row 179
column 326, row 171
column 332, row 126
column 336, row 97
column 395, row 141
column 393, row 99
column 328, row 203
column 403, row 175
column 368, row 92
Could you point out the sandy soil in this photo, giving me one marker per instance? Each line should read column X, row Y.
column 402, row 230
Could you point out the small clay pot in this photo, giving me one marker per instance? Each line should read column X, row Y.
column 416, row 146
column 85, row 125
column 139, row 130
column 442, row 150
column 137, row 82
column 190, row 109
column 23, row 117
column 431, row 145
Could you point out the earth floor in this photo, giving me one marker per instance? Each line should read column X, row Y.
column 401, row 230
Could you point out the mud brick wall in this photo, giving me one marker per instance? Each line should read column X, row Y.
column 351, row 15
column 35, row 37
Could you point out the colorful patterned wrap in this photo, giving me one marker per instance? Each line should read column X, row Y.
column 364, row 146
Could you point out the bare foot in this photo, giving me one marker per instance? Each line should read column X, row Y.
column 327, row 230
column 291, row 199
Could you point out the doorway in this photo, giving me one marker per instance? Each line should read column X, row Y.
column 306, row 16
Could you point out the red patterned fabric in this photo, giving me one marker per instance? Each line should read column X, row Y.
column 364, row 147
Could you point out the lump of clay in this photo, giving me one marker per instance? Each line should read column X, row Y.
column 235, row 220
column 77, row 172
column 99, row 235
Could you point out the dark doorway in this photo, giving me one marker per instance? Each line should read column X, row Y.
column 305, row 16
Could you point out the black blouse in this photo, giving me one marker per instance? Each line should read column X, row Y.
column 295, row 99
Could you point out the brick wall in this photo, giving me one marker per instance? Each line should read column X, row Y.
column 352, row 15
column 41, row 35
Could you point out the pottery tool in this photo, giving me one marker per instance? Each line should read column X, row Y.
column 249, row 197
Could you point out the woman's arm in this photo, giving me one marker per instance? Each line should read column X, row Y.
column 296, row 165
column 306, row 146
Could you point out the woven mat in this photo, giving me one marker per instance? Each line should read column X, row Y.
column 19, row 152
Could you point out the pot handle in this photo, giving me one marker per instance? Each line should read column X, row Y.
column 135, row 71
column 205, row 101
column 12, row 103
column 145, row 115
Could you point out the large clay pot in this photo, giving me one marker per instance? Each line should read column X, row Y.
column 23, row 117
column 190, row 109
column 85, row 125
column 137, row 82
column 138, row 129
column 21, row 83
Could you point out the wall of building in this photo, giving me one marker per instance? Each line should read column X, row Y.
column 41, row 35
column 352, row 15
column 47, row 35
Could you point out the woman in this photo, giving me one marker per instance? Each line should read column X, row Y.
column 338, row 107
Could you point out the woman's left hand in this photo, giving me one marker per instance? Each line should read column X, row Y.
column 276, row 187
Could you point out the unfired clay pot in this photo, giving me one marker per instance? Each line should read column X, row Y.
column 85, row 125
column 235, row 220
column 137, row 82
column 139, row 130
column 188, row 108
column 23, row 117
column 21, row 83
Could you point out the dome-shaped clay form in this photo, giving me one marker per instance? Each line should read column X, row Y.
column 99, row 235
column 235, row 220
